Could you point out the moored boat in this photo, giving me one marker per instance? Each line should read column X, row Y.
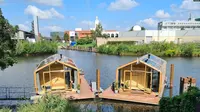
column 141, row 81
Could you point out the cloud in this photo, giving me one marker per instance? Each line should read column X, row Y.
column 162, row 14
column 52, row 28
column 149, row 22
column 49, row 2
column 102, row 5
column 182, row 11
column 190, row 5
column 24, row 27
column 43, row 14
column 122, row 5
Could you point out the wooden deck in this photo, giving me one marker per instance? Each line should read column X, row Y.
column 130, row 97
column 85, row 92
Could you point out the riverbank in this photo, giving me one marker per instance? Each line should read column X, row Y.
column 24, row 48
column 163, row 49
column 80, row 48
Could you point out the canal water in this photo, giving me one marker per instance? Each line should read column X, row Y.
column 21, row 74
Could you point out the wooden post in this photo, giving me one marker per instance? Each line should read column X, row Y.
column 171, row 80
column 98, row 80
column 145, row 76
column 35, row 82
column 185, row 83
column 171, row 75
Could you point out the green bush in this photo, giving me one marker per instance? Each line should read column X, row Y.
column 41, row 47
column 84, row 41
column 157, row 48
column 170, row 53
column 185, row 102
column 5, row 110
column 49, row 104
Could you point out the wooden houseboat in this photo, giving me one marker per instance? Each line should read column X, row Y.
column 56, row 72
column 142, row 81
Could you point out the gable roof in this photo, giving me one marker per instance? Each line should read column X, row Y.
column 153, row 61
column 150, row 60
column 57, row 57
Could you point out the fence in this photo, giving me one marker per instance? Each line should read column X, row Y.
column 86, row 49
column 16, row 93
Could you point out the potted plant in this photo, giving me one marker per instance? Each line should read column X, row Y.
column 78, row 88
column 116, row 87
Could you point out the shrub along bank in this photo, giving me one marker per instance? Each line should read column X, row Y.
column 86, row 42
column 48, row 104
column 157, row 48
column 186, row 102
column 41, row 47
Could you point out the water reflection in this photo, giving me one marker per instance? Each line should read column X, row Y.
column 113, row 106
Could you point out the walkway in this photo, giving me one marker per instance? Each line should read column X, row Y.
column 136, row 98
column 85, row 91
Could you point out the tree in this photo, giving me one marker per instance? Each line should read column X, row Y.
column 76, row 37
column 143, row 28
column 105, row 36
column 97, row 32
column 57, row 38
column 66, row 37
column 7, row 45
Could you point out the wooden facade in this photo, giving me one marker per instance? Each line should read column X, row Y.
column 146, row 74
column 56, row 72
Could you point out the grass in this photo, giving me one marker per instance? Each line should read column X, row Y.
column 86, row 45
column 157, row 48
column 50, row 103
column 41, row 47
column 5, row 110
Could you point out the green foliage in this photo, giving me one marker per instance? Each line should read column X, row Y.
column 116, row 85
column 49, row 104
column 66, row 37
column 187, row 49
column 7, row 45
column 78, row 86
column 41, row 47
column 185, row 102
column 97, row 32
column 157, row 48
column 5, row 110
column 84, row 41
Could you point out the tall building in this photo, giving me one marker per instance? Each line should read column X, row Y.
column 96, row 22
column 191, row 24
column 36, row 27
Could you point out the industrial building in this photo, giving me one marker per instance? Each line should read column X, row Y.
column 147, row 36
column 24, row 35
column 191, row 24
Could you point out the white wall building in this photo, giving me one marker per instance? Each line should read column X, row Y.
column 191, row 24
column 177, row 36
column 24, row 35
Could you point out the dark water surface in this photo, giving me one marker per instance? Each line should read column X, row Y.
column 21, row 74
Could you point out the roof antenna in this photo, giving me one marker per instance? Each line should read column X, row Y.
column 60, row 56
column 149, row 56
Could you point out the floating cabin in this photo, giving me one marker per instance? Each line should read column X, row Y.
column 56, row 72
column 146, row 74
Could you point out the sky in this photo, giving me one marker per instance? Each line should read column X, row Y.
column 121, row 15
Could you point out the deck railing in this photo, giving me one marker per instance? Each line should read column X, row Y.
column 16, row 93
